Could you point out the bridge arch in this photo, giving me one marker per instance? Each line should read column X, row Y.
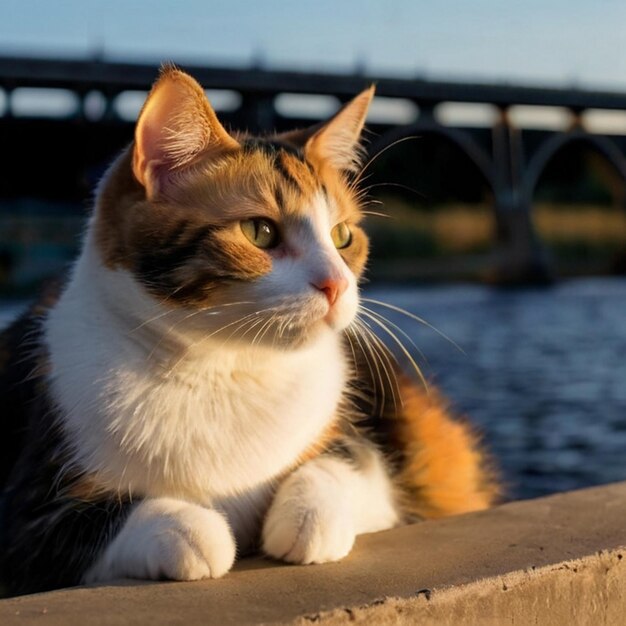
column 603, row 146
column 585, row 237
column 449, row 225
column 461, row 140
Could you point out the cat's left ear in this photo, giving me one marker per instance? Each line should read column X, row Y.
column 337, row 141
column 176, row 125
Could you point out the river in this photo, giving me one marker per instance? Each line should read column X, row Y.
column 542, row 374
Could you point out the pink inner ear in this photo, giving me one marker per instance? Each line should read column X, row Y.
column 155, row 122
column 175, row 125
column 146, row 151
column 338, row 141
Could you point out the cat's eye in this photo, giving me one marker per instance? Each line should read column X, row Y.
column 341, row 235
column 261, row 232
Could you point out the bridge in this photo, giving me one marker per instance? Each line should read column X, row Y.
column 510, row 160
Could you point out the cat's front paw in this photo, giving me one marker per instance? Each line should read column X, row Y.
column 167, row 538
column 311, row 518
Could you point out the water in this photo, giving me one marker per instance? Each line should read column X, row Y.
column 542, row 374
column 9, row 311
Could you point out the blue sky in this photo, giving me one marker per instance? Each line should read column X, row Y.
column 559, row 42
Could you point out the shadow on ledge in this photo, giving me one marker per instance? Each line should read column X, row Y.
column 554, row 560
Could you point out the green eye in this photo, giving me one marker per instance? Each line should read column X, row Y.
column 341, row 235
column 261, row 232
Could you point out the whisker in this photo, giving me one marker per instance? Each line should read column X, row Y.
column 400, row 345
column 381, row 152
column 385, row 355
column 347, row 334
column 379, row 378
column 210, row 310
column 376, row 214
column 366, row 354
column 170, row 330
column 398, row 185
column 416, row 318
column 150, row 320
column 213, row 333
column 252, row 322
column 260, row 333
column 268, row 328
column 288, row 323
column 398, row 328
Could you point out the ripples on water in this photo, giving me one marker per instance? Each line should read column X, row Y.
column 543, row 374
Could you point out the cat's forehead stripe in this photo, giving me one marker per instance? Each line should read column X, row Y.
column 297, row 172
column 280, row 198
column 287, row 172
column 289, row 161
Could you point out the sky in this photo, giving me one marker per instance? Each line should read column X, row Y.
column 564, row 43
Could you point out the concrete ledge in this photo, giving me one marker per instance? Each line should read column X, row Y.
column 555, row 560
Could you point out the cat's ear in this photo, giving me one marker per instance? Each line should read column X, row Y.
column 176, row 124
column 337, row 141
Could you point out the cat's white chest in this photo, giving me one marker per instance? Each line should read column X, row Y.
column 218, row 427
column 226, row 425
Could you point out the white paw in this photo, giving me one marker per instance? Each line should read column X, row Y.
column 311, row 519
column 167, row 538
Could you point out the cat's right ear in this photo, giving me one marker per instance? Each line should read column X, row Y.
column 175, row 126
column 338, row 140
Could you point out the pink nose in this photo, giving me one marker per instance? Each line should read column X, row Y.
column 332, row 288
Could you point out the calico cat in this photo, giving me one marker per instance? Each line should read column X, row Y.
column 201, row 387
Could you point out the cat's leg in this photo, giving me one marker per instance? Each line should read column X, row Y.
column 321, row 507
column 53, row 527
column 168, row 538
column 59, row 530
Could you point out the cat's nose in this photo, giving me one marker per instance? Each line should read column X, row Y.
column 332, row 288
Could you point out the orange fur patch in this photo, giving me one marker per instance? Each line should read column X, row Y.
column 133, row 231
column 297, row 171
column 329, row 435
column 169, row 209
column 445, row 472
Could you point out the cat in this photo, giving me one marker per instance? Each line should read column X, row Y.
column 200, row 387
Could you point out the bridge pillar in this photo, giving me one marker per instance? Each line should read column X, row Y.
column 8, row 94
column 519, row 256
column 257, row 112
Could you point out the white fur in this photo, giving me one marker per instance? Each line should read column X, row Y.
column 322, row 506
column 167, row 538
column 222, row 422
column 314, row 259
column 159, row 403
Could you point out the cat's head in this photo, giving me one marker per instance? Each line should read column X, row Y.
column 257, row 236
